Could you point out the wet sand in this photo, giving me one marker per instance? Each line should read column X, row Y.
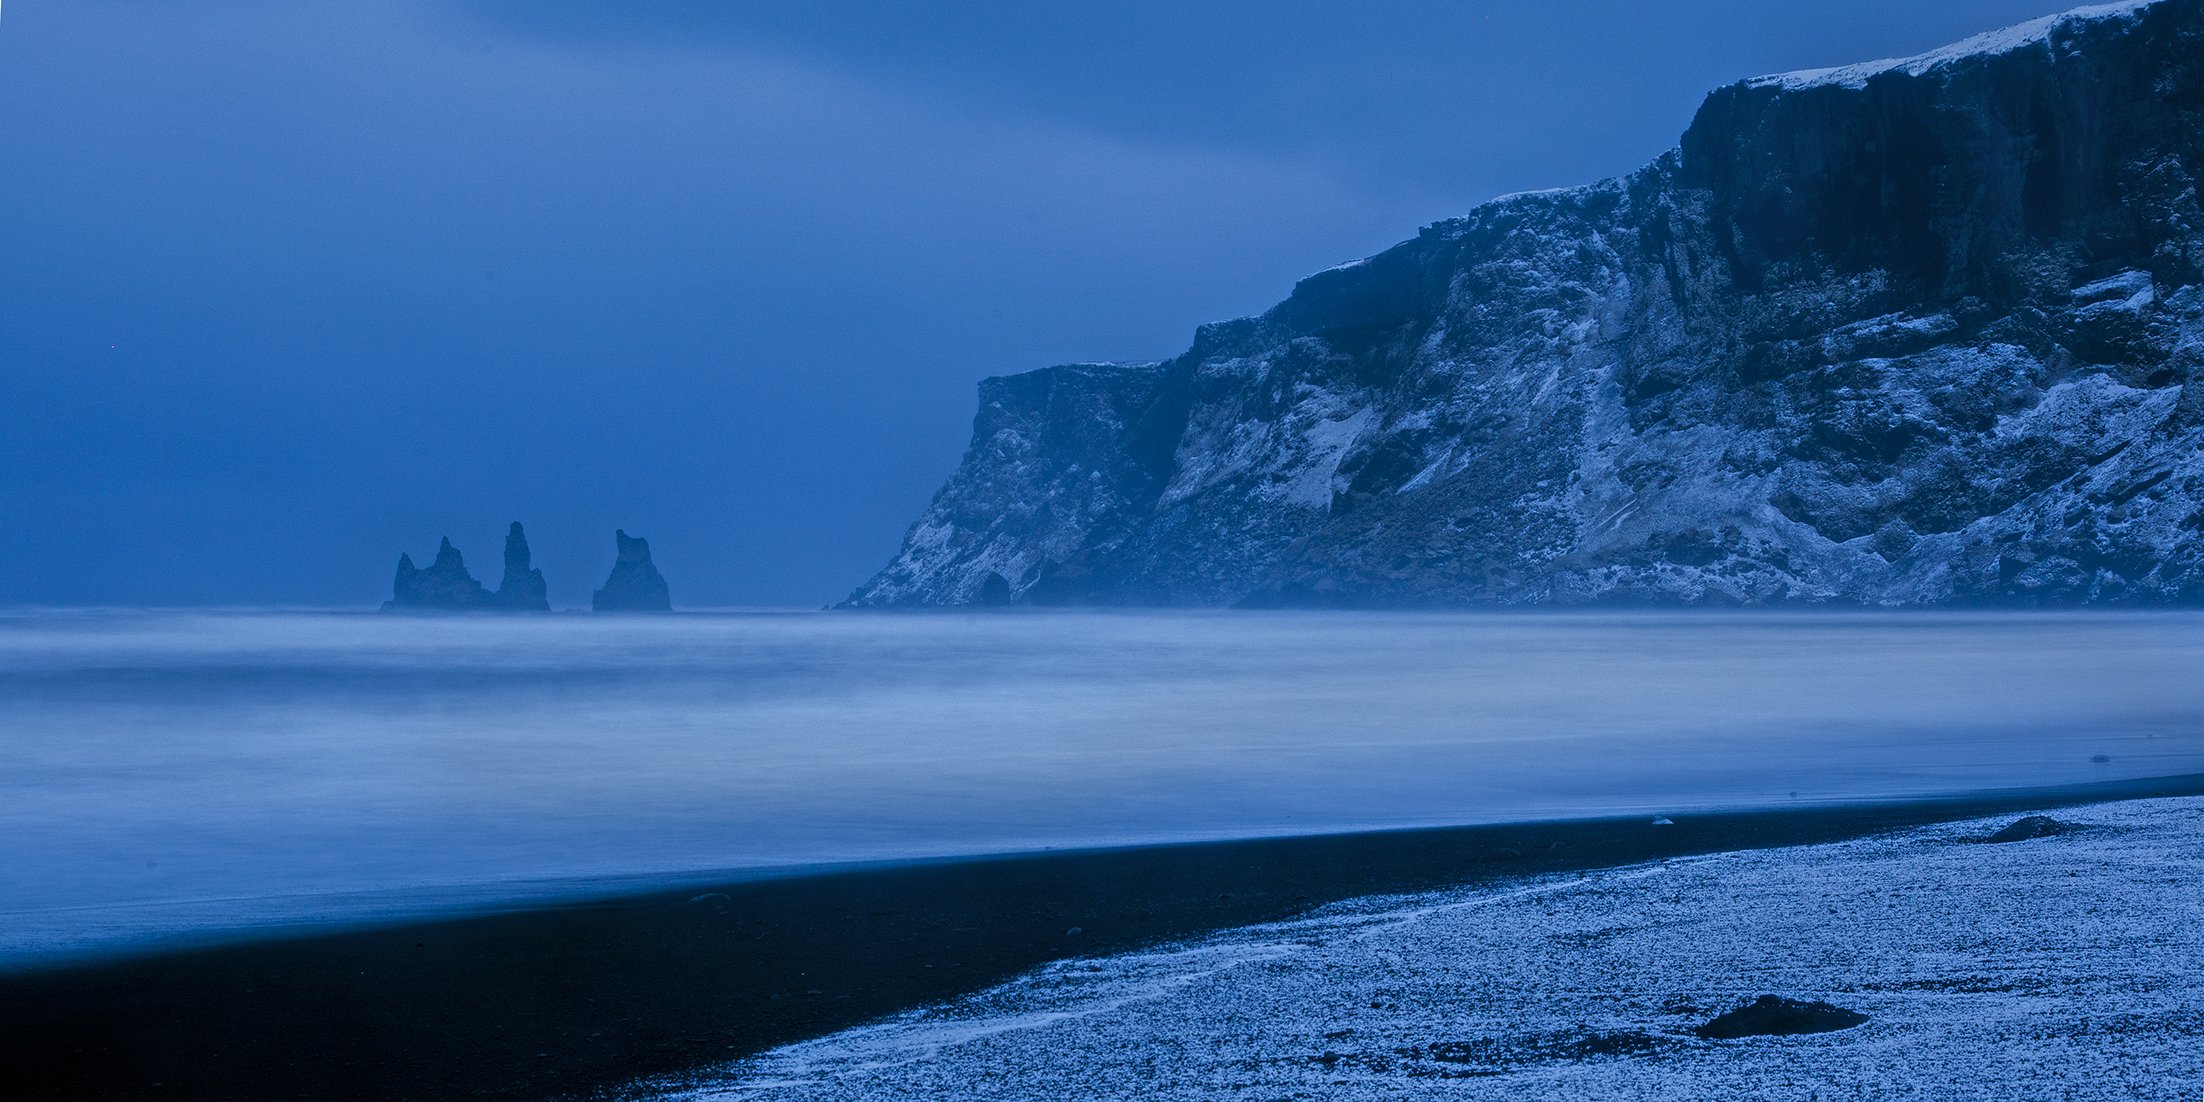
column 581, row 998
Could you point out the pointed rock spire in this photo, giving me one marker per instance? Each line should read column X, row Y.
column 522, row 589
column 445, row 584
column 635, row 584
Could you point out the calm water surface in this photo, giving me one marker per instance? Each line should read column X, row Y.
column 166, row 774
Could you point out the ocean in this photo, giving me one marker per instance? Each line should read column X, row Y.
column 171, row 776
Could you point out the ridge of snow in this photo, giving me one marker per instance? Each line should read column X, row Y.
column 1991, row 44
column 1540, row 193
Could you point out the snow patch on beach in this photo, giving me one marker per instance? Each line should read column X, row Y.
column 2060, row 967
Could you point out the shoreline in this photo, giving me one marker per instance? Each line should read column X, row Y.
column 582, row 997
column 1921, row 962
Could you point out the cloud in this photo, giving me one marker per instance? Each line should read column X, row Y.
column 348, row 276
column 427, row 274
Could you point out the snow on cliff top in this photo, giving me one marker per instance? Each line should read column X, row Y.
column 1982, row 45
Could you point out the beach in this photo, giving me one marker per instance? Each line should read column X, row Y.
column 1998, row 959
column 595, row 995
column 313, row 855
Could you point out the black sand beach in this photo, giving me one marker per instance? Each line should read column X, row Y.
column 581, row 998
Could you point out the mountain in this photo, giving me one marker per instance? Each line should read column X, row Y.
column 1926, row 331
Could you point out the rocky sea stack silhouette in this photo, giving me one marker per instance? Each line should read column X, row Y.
column 635, row 584
column 1910, row 333
column 446, row 586
column 522, row 589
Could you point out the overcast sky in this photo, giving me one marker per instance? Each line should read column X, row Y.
column 287, row 288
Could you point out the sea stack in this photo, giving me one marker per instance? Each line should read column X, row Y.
column 635, row 584
column 444, row 586
column 522, row 588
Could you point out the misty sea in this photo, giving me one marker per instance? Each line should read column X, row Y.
column 192, row 774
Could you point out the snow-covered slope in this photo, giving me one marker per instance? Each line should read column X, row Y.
column 1926, row 331
column 2059, row 968
column 2045, row 32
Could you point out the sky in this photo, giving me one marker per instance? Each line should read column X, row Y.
column 287, row 289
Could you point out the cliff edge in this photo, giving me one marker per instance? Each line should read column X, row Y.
column 1926, row 331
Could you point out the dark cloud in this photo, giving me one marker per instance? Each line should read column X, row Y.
column 1435, row 90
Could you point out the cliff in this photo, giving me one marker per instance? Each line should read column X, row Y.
column 1918, row 332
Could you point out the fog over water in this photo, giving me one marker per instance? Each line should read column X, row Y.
column 185, row 773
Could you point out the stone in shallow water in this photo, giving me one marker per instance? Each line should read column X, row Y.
column 1776, row 1016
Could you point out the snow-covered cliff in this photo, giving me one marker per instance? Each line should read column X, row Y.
column 1921, row 331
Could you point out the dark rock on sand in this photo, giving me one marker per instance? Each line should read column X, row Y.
column 444, row 586
column 635, row 584
column 522, row 588
column 2034, row 826
column 1776, row 1016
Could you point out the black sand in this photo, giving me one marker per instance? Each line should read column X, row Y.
column 579, row 998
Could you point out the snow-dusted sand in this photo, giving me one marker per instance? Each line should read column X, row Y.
column 2066, row 967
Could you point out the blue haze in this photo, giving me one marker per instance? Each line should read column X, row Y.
column 179, row 774
column 288, row 288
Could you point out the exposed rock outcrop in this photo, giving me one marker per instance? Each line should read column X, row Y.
column 522, row 589
column 2031, row 827
column 444, row 586
column 1776, row 1016
column 635, row 584
column 1919, row 332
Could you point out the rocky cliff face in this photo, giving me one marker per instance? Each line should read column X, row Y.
column 1919, row 332
column 635, row 584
